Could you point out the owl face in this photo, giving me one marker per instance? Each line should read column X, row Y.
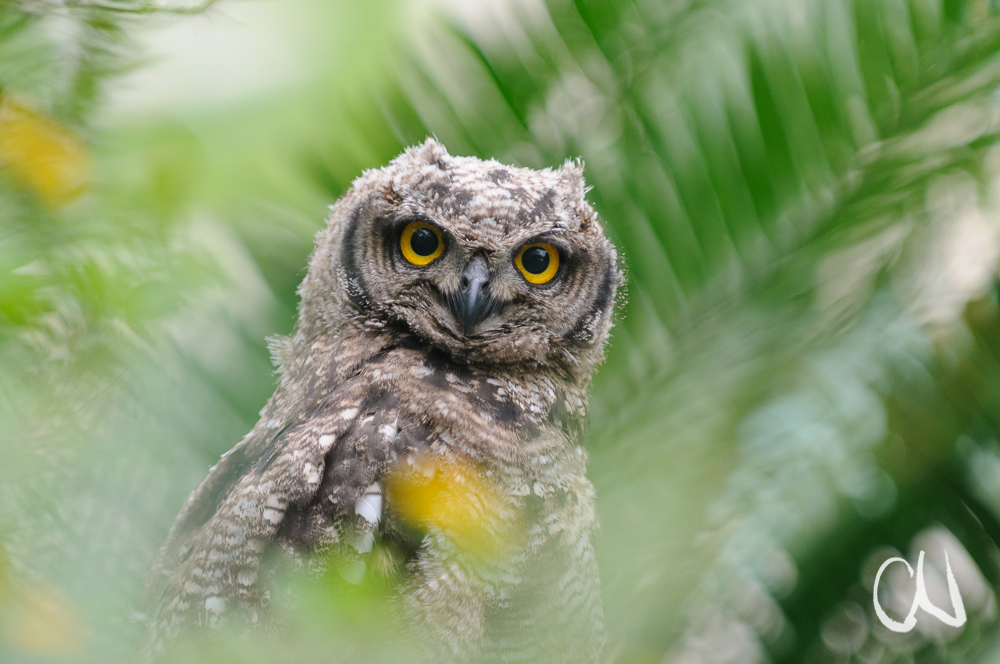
column 485, row 261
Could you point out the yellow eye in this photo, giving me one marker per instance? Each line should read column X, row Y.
column 421, row 243
column 538, row 262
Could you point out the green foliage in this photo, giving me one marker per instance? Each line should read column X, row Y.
column 803, row 378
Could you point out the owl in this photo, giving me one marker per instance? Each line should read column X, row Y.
column 433, row 395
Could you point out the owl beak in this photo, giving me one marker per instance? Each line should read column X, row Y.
column 473, row 303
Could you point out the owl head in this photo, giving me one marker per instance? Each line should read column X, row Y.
column 487, row 262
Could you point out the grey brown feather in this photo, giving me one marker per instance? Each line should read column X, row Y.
column 385, row 367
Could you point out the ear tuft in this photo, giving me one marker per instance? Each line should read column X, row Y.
column 429, row 152
column 571, row 173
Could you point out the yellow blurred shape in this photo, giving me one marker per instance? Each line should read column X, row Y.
column 45, row 156
column 452, row 496
column 41, row 621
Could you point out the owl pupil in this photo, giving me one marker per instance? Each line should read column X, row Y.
column 424, row 242
column 535, row 260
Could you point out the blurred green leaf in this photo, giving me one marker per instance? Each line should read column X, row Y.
column 804, row 373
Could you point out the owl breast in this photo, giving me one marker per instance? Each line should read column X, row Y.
column 412, row 409
column 477, row 476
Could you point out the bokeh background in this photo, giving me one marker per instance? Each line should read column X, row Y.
column 805, row 377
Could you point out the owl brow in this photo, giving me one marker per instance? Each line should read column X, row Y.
column 391, row 223
column 554, row 237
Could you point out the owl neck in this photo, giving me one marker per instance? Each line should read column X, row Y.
column 339, row 353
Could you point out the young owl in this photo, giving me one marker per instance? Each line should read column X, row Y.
column 432, row 395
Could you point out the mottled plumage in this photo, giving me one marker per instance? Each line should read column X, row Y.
column 459, row 369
